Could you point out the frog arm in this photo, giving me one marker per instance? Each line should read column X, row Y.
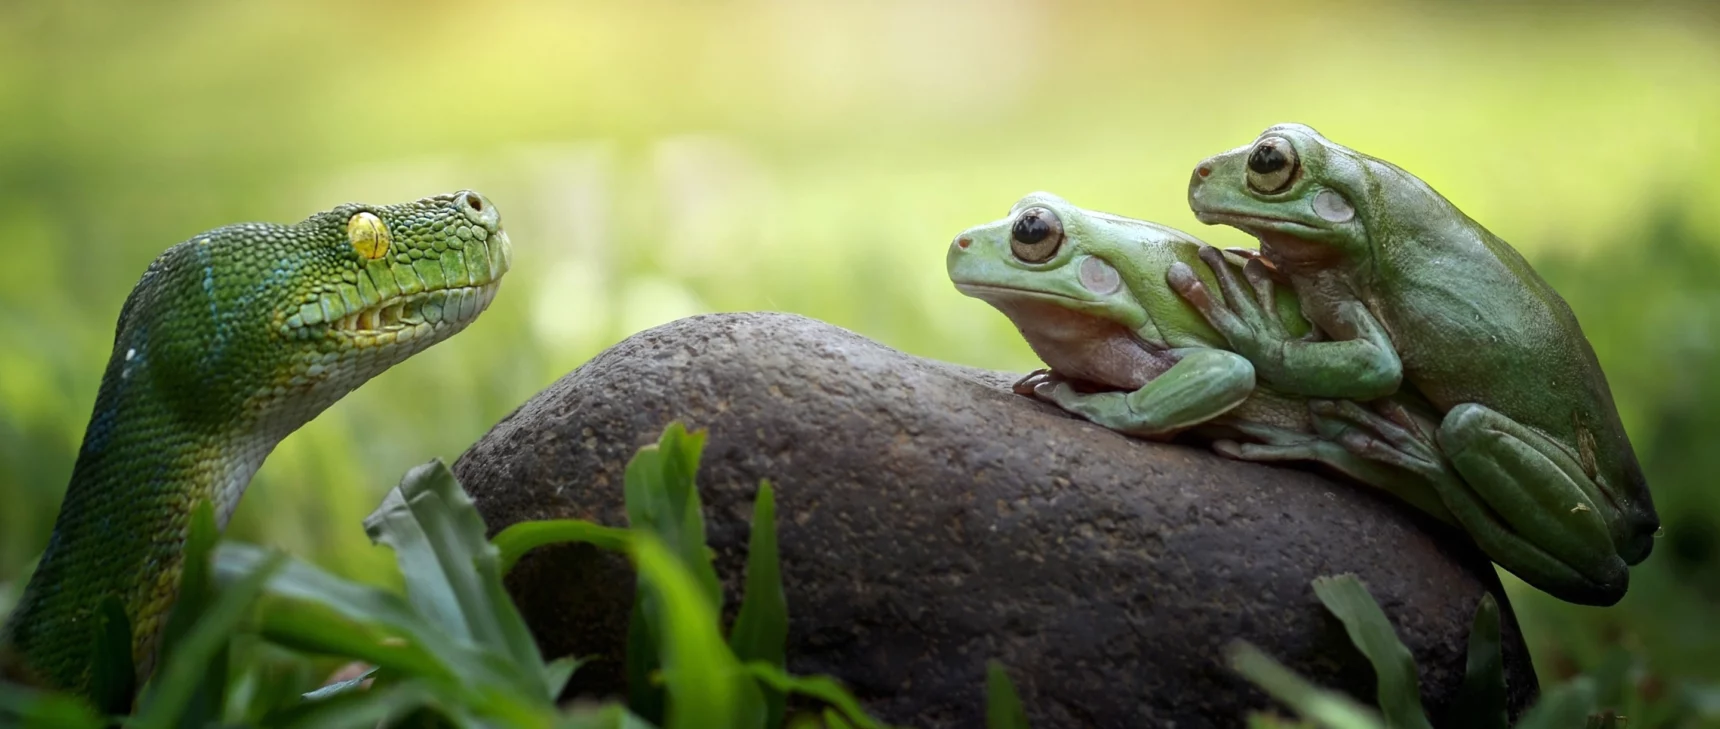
column 1202, row 385
column 1360, row 363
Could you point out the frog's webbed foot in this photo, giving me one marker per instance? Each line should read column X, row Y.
column 1391, row 436
column 1375, row 449
column 1533, row 507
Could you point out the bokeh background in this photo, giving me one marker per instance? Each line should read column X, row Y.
column 655, row 159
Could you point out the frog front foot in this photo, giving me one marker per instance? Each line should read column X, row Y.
column 1202, row 385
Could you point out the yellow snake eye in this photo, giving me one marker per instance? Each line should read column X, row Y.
column 368, row 236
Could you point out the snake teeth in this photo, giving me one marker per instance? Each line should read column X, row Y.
column 429, row 308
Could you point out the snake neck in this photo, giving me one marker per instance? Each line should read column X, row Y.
column 121, row 529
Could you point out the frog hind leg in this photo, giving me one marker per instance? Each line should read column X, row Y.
column 1359, row 444
column 1202, row 385
column 1526, row 500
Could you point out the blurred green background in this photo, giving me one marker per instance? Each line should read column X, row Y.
column 655, row 159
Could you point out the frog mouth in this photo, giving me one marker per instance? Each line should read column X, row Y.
column 988, row 292
column 1256, row 222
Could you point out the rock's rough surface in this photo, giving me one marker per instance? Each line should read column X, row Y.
column 931, row 520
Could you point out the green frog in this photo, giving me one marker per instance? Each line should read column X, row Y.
column 1088, row 291
column 1408, row 291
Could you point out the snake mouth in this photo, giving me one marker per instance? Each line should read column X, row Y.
column 455, row 305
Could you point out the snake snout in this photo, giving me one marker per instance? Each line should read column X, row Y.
column 478, row 209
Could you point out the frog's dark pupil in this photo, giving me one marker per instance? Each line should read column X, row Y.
column 1266, row 159
column 1031, row 229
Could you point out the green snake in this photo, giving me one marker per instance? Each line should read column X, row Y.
column 232, row 340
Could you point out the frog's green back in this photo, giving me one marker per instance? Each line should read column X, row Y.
column 1474, row 323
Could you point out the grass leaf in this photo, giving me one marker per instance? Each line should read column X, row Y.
column 1480, row 702
column 452, row 572
column 168, row 700
column 760, row 632
column 1002, row 705
column 515, row 541
column 556, row 674
column 707, row 685
column 662, row 496
column 1399, row 691
column 196, row 595
column 823, row 688
column 663, row 500
column 26, row 707
column 1566, row 706
column 608, row 716
column 113, row 675
column 363, row 709
column 1329, row 709
column 316, row 629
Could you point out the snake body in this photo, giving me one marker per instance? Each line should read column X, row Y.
column 231, row 341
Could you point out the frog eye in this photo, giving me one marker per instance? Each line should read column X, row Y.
column 1272, row 165
column 1036, row 235
column 368, row 236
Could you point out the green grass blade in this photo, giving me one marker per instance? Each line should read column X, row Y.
column 760, row 632
column 1003, row 708
column 332, row 690
column 1329, row 709
column 113, row 675
column 1564, row 707
column 429, row 591
column 556, row 674
column 515, row 541
column 27, row 707
column 319, row 630
column 354, row 709
column 662, row 496
column 823, row 688
column 1480, row 702
column 1270, row 721
column 382, row 611
column 646, row 501
column 1394, row 666
column 1606, row 719
column 608, row 716
column 662, row 499
column 707, row 686
column 196, row 595
column 169, row 697
column 438, row 536
column 644, row 697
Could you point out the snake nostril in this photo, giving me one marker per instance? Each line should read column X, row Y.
column 474, row 202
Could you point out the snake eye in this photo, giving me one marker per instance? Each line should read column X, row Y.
column 1272, row 165
column 1036, row 235
column 369, row 237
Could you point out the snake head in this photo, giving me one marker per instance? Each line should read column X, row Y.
column 257, row 327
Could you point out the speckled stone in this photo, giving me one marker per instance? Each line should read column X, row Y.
column 931, row 520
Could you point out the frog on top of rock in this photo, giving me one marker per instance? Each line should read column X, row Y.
column 1411, row 291
column 1088, row 292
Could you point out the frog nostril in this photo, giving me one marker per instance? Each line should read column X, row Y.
column 963, row 242
column 1204, row 171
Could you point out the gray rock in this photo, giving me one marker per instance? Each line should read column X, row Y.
column 931, row 520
